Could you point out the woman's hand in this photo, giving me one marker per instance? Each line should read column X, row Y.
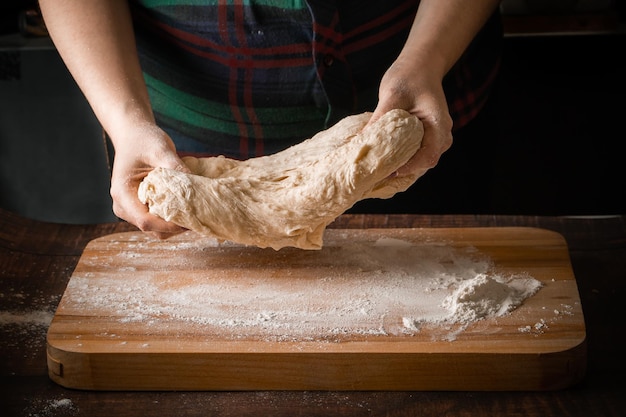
column 135, row 156
column 403, row 87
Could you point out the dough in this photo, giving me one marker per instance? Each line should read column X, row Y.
column 288, row 199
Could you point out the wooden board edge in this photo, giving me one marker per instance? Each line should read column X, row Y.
column 318, row 371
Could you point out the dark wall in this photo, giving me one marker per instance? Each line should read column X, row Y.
column 561, row 124
column 52, row 158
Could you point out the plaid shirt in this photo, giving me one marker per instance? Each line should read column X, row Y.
column 246, row 78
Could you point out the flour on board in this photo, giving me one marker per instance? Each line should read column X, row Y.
column 394, row 287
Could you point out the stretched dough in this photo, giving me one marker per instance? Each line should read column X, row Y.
column 288, row 199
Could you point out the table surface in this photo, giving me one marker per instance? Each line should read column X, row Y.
column 37, row 260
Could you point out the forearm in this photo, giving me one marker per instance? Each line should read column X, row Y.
column 96, row 41
column 442, row 30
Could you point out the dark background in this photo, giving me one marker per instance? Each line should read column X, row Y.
column 549, row 142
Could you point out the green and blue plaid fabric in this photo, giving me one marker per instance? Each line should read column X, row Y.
column 245, row 78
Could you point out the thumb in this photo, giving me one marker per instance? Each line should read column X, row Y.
column 171, row 160
column 377, row 114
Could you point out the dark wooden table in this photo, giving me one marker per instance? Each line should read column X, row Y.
column 37, row 260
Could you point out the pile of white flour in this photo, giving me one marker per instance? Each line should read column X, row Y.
column 393, row 287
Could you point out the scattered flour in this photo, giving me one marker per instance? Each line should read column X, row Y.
column 393, row 287
column 54, row 407
column 31, row 318
column 24, row 320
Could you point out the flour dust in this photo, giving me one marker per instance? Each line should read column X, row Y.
column 390, row 288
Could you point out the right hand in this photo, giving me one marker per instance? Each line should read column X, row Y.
column 421, row 93
column 135, row 156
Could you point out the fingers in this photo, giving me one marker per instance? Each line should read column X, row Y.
column 126, row 206
column 436, row 141
column 131, row 165
column 380, row 110
column 172, row 161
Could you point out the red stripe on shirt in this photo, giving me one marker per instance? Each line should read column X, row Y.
column 183, row 37
column 378, row 36
column 232, row 83
column 248, row 78
column 406, row 6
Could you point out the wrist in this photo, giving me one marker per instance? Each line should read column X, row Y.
column 424, row 62
column 139, row 139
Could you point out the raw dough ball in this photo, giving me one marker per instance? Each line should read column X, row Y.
column 288, row 199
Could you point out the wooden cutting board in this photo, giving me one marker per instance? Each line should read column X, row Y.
column 363, row 313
